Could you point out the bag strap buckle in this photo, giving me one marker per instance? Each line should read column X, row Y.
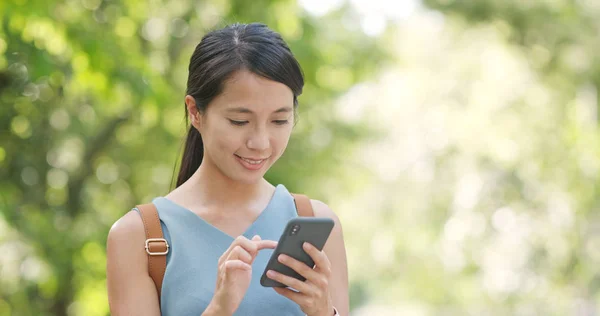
column 157, row 240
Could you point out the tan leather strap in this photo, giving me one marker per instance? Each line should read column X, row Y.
column 156, row 246
column 303, row 205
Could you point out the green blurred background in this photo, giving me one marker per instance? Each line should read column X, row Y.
column 458, row 142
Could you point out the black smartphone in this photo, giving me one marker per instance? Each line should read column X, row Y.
column 314, row 230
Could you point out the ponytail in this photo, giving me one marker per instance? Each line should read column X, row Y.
column 192, row 155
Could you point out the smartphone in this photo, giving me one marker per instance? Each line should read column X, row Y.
column 314, row 230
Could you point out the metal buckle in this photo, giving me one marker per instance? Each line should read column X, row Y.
column 149, row 240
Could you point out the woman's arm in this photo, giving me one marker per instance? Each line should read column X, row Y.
column 131, row 291
column 336, row 253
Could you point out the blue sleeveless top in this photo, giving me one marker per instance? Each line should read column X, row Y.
column 195, row 248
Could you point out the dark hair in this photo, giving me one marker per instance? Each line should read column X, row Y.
column 220, row 53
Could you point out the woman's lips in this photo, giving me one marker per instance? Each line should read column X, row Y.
column 251, row 164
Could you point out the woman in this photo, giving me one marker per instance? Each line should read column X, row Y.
column 241, row 99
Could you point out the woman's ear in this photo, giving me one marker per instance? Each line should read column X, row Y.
column 193, row 113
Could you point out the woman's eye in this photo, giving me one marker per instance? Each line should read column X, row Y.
column 238, row 123
column 280, row 122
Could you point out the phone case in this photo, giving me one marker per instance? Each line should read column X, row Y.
column 314, row 230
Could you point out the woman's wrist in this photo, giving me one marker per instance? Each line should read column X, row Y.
column 214, row 309
column 331, row 312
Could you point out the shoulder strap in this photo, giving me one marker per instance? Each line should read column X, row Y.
column 156, row 246
column 303, row 205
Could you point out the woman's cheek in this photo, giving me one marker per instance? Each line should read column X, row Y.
column 231, row 138
column 280, row 144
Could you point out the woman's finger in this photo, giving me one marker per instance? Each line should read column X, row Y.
column 231, row 265
column 299, row 267
column 246, row 249
column 265, row 244
column 241, row 254
column 253, row 246
column 240, row 239
column 228, row 267
column 319, row 257
column 250, row 246
column 294, row 296
column 302, row 287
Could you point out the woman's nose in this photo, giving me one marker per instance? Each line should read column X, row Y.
column 259, row 139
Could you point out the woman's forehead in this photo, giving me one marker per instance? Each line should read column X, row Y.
column 245, row 110
column 246, row 92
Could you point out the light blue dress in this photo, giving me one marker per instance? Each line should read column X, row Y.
column 195, row 248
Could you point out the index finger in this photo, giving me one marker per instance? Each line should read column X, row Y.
column 265, row 244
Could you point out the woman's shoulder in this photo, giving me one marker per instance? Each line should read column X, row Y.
column 128, row 224
column 323, row 210
column 126, row 234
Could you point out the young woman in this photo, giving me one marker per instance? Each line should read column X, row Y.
column 241, row 99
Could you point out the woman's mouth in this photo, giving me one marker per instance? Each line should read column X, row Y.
column 250, row 163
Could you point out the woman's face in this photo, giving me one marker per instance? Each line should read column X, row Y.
column 247, row 127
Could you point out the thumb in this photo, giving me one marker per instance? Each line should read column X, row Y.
column 256, row 237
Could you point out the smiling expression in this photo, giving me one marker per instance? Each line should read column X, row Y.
column 246, row 128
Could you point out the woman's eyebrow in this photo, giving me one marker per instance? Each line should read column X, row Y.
column 284, row 109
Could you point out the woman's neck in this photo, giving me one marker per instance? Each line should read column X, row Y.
column 209, row 187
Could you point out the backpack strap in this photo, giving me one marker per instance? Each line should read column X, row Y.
column 156, row 246
column 303, row 205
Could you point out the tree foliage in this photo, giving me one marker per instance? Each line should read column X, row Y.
column 92, row 123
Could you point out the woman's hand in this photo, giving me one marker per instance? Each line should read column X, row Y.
column 235, row 272
column 313, row 294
